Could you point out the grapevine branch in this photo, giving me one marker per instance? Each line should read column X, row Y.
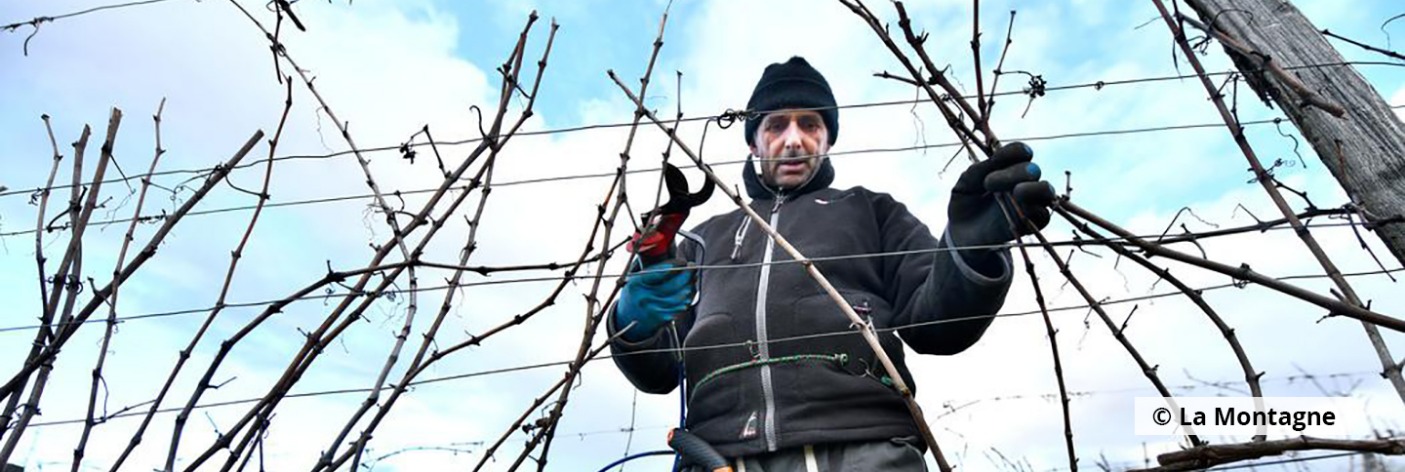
column 69, row 275
column 45, row 331
column 325, row 333
column 595, row 311
column 988, row 147
column 90, row 422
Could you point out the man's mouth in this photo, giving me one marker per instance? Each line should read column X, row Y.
column 791, row 166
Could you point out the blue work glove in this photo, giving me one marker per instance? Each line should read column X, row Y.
column 975, row 216
column 653, row 297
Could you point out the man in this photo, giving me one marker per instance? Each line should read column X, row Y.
column 777, row 377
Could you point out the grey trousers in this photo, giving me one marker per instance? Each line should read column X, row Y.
column 898, row 454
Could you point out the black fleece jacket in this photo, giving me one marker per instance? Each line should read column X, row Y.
column 770, row 361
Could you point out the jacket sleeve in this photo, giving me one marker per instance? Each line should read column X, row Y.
column 654, row 364
column 950, row 295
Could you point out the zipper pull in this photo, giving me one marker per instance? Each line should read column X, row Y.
column 746, row 223
column 741, row 236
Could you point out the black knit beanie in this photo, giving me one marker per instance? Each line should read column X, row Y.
column 793, row 84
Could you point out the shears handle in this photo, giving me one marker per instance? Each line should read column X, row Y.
column 654, row 243
column 695, row 451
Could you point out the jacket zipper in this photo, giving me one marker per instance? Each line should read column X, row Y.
column 740, row 237
column 764, row 349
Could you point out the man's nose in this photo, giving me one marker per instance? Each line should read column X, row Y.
column 792, row 137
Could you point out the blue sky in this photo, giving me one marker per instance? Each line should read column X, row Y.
column 391, row 68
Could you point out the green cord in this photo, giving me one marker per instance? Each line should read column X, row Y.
column 837, row 358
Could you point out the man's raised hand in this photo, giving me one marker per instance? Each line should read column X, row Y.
column 976, row 216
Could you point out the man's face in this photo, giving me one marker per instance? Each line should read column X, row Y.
column 789, row 145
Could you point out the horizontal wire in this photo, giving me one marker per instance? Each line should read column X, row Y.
column 1139, row 298
column 1036, row 396
column 997, row 398
column 327, row 296
column 323, row 200
column 526, row 367
column 1097, row 85
column 45, row 19
column 315, row 201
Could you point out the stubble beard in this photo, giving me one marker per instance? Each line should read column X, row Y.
column 771, row 168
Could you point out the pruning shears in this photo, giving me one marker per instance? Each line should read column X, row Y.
column 654, row 240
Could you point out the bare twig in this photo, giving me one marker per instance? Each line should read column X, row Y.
column 951, row 116
column 889, row 75
column 1058, row 362
column 62, row 276
column 90, row 422
column 44, row 204
column 1260, row 225
column 916, row 42
column 287, row 9
column 999, row 66
column 1356, row 210
column 594, row 310
column 976, row 58
column 1368, row 47
column 668, row 147
column 486, row 270
column 45, row 331
column 390, row 271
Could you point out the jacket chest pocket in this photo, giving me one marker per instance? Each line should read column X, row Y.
column 821, row 327
column 840, row 236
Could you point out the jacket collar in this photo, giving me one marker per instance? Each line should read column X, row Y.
column 758, row 190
